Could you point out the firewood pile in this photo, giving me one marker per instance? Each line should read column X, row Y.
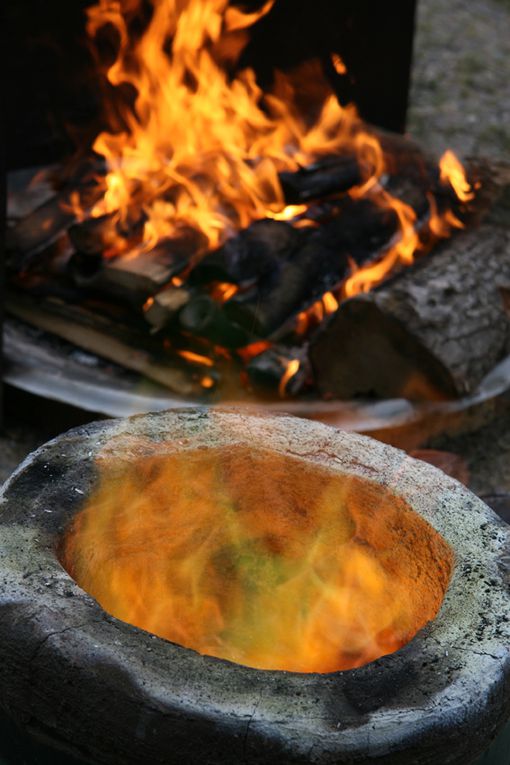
column 268, row 309
column 220, row 243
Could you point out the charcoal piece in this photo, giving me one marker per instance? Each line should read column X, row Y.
column 435, row 329
column 331, row 175
column 84, row 268
column 255, row 251
column 204, row 317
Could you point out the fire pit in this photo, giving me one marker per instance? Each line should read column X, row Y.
column 270, row 500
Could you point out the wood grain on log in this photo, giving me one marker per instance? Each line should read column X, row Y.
column 435, row 329
column 107, row 339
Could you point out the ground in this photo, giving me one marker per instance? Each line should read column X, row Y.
column 460, row 99
column 460, row 96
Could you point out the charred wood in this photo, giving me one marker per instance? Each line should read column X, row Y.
column 321, row 262
column 204, row 317
column 331, row 175
column 435, row 329
column 163, row 308
column 255, row 251
column 35, row 233
column 108, row 339
column 268, row 369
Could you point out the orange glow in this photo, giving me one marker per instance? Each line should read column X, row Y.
column 401, row 252
column 148, row 303
column 338, row 64
column 290, row 372
column 441, row 226
column 201, row 149
column 452, row 172
column 207, row 382
column 196, row 358
column 255, row 557
column 249, row 352
column 223, row 291
column 288, row 213
column 330, row 303
column 313, row 315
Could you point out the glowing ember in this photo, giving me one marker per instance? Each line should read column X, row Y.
column 207, row 382
column 250, row 352
column 327, row 305
column 338, row 64
column 223, row 291
column 257, row 558
column 196, row 358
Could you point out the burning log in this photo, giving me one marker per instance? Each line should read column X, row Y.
column 332, row 175
column 204, row 317
column 434, row 330
column 255, row 251
column 145, row 273
column 321, row 261
column 279, row 368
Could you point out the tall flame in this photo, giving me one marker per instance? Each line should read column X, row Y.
column 202, row 149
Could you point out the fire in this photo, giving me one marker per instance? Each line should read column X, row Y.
column 452, row 172
column 338, row 64
column 250, row 352
column 196, row 358
column 288, row 213
column 402, row 251
column 313, row 315
column 223, row 291
column 290, row 372
column 257, row 558
column 201, row 149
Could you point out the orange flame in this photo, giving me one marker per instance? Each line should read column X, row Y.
column 313, row 315
column 201, row 149
column 338, row 64
column 452, row 172
column 258, row 558
column 290, row 372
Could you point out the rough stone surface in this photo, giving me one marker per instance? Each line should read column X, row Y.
column 112, row 693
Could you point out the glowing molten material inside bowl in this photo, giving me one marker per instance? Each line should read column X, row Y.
column 259, row 558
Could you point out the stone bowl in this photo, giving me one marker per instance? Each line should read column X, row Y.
column 108, row 692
